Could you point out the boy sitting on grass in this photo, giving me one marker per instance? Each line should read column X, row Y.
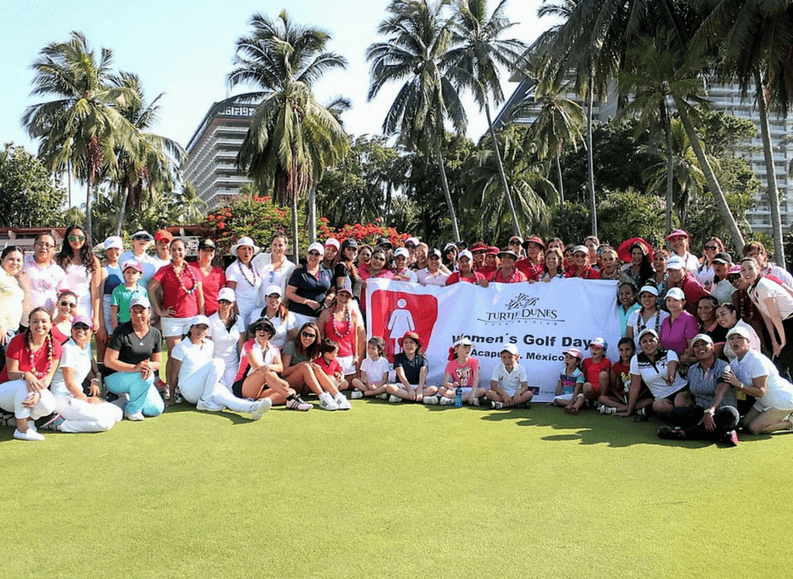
column 509, row 385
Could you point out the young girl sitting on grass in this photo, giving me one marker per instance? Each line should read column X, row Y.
column 570, row 379
column 461, row 371
column 374, row 371
column 509, row 385
column 615, row 399
column 596, row 376
column 328, row 363
column 410, row 366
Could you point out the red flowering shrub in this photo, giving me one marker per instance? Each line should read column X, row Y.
column 362, row 233
column 256, row 217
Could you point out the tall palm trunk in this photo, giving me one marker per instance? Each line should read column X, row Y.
column 590, row 158
column 312, row 215
column 670, row 167
column 559, row 175
column 123, row 209
column 770, row 173
column 295, row 240
column 88, row 202
column 447, row 193
column 710, row 176
column 515, row 225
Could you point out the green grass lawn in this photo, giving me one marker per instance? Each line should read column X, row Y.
column 394, row 491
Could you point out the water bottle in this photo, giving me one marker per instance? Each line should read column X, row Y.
column 458, row 397
column 739, row 394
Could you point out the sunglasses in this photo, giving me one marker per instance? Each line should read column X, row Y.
column 514, row 242
column 224, row 302
column 711, row 247
column 80, row 327
column 307, row 335
column 140, row 238
column 76, row 238
column 314, row 253
column 410, row 246
column 261, row 329
column 70, row 304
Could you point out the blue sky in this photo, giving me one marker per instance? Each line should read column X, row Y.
column 184, row 49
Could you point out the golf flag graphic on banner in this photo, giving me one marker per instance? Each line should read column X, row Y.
column 541, row 319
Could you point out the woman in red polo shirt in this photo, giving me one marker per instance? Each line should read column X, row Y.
column 182, row 299
column 212, row 277
column 465, row 273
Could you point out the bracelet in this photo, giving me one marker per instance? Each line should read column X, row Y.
column 740, row 385
column 710, row 411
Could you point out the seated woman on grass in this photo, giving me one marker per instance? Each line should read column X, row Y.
column 656, row 368
column 302, row 374
column 757, row 376
column 199, row 375
column 410, row 366
column 714, row 412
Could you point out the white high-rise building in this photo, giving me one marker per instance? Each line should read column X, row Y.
column 212, row 151
column 521, row 108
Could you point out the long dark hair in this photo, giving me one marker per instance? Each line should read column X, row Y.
column 28, row 332
column 66, row 255
column 314, row 350
column 646, row 270
column 352, row 271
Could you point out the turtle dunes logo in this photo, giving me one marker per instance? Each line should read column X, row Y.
column 394, row 313
column 522, row 308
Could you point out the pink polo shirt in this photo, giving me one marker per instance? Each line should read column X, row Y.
column 674, row 335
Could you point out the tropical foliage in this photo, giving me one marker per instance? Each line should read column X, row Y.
column 28, row 195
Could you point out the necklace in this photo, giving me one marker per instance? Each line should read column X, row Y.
column 512, row 275
column 190, row 274
column 347, row 320
column 49, row 345
column 243, row 267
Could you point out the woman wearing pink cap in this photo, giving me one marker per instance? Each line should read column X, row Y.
column 679, row 245
column 65, row 311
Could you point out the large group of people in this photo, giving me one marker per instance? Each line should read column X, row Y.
column 706, row 342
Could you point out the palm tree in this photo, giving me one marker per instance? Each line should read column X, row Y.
column 418, row 40
column 558, row 123
column 157, row 159
column 475, row 64
column 190, row 206
column 82, row 125
column 292, row 138
column 757, row 52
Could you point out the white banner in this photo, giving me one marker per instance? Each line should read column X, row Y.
column 541, row 319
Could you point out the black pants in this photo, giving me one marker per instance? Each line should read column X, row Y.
column 688, row 418
column 784, row 362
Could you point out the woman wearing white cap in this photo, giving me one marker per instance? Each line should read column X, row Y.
column 581, row 266
column 465, row 272
column 228, row 333
column 656, row 368
column 649, row 316
column 140, row 242
column 713, row 413
column 775, row 304
column 450, row 257
column 199, row 374
column 279, row 315
column 310, row 287
column 78, row 409
column 242, row 277
column 401, row 270
column 756, row 375
column 339, row 323
column 112, row 277
column 133, row 354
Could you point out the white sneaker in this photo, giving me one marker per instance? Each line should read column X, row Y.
column 342, row 402
column 259, row 408
column 28, row 435
column 431, row 400
column 326, row 402
column 208, row 405
column 496, row 405
column 476, row 401
column 136, row 417
column 383, row 396
column 608, row 410
column 356, row 395
column 447, row 401
column 394, row 399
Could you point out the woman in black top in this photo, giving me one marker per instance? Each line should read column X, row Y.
column 309, row 288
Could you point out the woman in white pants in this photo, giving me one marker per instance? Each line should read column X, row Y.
column 31, row 360
column 199, row 375
column 76, row 411
column 228, row 334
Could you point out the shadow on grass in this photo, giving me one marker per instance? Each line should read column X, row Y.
column 589, row 427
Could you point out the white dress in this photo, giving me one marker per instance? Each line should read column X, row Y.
column 79, row 281
column 249, row 284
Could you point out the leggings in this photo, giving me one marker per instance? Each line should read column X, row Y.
column 82, row 416
column 14, row 393
column 143, row 396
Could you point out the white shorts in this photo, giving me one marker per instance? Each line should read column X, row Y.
column 466, row 390
column 563, row 397
column 347, row 364
column 175, row 327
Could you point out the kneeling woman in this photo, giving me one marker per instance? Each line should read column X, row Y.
column 257, row 377
column 657, row 368
column 714, row 415
column 31, row 361
column 199, row 375
column 756, row 375
column 133, row 354
column 76, row 411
